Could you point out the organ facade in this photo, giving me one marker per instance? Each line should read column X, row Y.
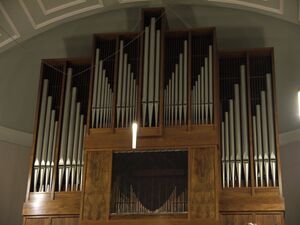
column 207, row 146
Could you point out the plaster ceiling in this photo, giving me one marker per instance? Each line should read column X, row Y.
column 22, row 19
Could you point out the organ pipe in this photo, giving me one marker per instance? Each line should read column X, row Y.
column 231, row 141
column 45, row 143
column 259, row 143
column 65, row 128
column 120, row 74
column 237, row 132
column 96, row 77
column 244, row 117
column 265, row 136
column 271, row 128
column 70, row 137
column 39, row 143
column 145, row 75
column 50, row 151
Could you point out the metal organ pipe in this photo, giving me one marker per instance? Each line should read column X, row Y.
column 206, row 87
column 265, row 135
column 185, row 72
column 151, row 71
column 210, row 72
column 120, row 81
column 227, row 147
column 124, row 82
column 99, row 88
column 157, row 69
column 75, row 145
column 51, row 148
column 39, row 143
column 271, row 128
column 237, row 130
column 65, row 128
column 231, row 141
column 103, row 92
column 145, row 74
column 244, row 116
column 45, row 143
column 259, row 143
column 180, row 83
column 95, row 86
column 223, row 153
column 255, row 149
column 70, row 137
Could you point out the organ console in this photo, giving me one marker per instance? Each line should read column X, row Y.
column 207, row 148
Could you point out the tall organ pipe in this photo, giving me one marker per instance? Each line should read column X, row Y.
column 259, row 143
column 176, row 93
column 145, row 74
column 95, row 86
column 82, row 157
column 180, row 83
column 210, row 70
column 223, row 153
column 265, row 135
column 173, row 99
column 202, row 95
column 151, row 71
column 105, row 103
column 123, row 100
column 232, row 147
column 128, row 90
column 227, row 148
column 39, row 143
column 120, row 81
column 51, row 147
column 70, row 137
column 52, row 156
column 103, row 92
column 75, row 145
column 198, row 102
column 79, row 153
column 65, row 128
column 99, row 89
column 45, row 142
column 271, row 128
column 244, row 116
column 238, row 132
column 206, row 87
column 157, row 68
column 255, row 149
column 185, row 72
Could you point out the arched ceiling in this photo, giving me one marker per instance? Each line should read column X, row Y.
column 23, row 19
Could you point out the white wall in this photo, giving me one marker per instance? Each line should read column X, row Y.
column 14, row 164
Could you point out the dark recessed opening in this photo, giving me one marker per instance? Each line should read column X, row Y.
column 152, row 182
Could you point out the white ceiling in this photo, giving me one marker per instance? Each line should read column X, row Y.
column 22, row 19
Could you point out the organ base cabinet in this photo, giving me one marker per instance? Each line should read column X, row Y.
column 207, row 149
column 252, row 218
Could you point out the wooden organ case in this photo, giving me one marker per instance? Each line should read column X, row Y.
column 207, row 146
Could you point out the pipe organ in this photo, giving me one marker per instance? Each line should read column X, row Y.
column 207, row 137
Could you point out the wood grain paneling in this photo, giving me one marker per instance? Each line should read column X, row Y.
column 65, row 221
column 269, row 219
column 202, row 184
column 37, row 221
column 235, row 219
column 97, row 185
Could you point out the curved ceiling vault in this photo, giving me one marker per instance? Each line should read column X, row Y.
column 22, row 19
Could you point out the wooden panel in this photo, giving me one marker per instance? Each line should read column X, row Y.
column 202, row 184
column 269, row 219
column 65, row 221
column 37, row 221
column 97, row 186
column 65, row 203
column 236, row 219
